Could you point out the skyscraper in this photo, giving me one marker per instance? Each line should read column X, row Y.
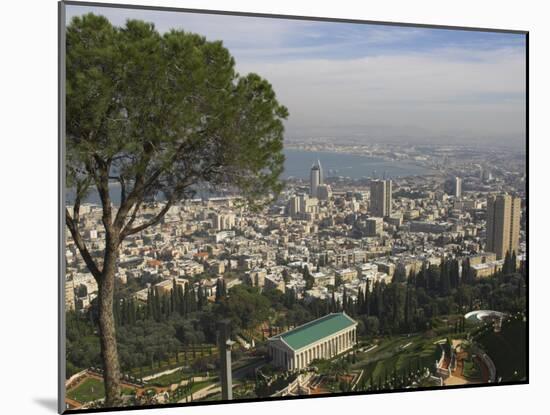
column 457, row 187
column 380, row 197
column 453, row 187
column 315, row 178
column 503, row 216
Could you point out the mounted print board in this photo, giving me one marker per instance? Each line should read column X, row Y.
column 264, row 207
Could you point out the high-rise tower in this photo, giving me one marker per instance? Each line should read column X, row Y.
column 457, row 187
column 380, row 198
column 503, row 217
column 315, row 178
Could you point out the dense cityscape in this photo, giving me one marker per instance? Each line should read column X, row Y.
column 343, row 284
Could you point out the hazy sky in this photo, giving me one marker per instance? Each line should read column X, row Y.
column 378, row 82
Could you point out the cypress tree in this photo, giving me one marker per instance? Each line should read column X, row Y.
column 344, row 301
column 181, row 301
column 507, row 267
column 174, row 295
column 149, row 311
column 116, row 310
column 218, row 290
column 132, row 312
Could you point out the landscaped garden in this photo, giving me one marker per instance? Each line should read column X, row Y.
column 91, row 389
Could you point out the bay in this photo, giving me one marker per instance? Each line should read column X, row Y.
column 298, row 164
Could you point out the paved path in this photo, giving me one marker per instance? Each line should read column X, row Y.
column 202, row 393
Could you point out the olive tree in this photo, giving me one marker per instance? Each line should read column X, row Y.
column 161, row 114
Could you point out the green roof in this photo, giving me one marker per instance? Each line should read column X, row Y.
column 316, row 330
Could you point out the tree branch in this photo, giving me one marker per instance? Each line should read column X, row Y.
column 131, row 231
column 122, row 182
column 81, row 245
column 102, row 184
column 134, row 214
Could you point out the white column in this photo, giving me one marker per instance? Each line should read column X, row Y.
column 344, row 341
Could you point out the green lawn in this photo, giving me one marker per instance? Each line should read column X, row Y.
column 184, row 358
column 91, row 389
column 392, row 357
column 171, row 378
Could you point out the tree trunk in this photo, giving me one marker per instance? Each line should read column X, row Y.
column 111, row 370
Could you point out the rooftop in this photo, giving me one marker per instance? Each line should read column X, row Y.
column 316, row 330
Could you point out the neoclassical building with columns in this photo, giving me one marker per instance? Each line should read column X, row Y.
column 323, row 338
